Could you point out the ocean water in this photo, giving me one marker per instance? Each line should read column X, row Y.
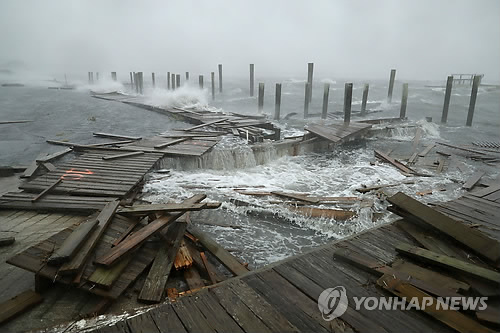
column 267, row 231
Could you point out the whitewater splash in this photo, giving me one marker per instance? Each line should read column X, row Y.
column 185, row 96
column 103, row 86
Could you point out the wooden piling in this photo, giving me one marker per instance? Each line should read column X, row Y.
column 153, row 81
column 404, row 101
column 447, row 97
column 220, row 78
column 326, row 94
column 187, row 76
column 131, row 81
column 277, row 105
column 97, row 76
column 168, row 80
column 473, row 97
column 212, row 78
column 310, row 69
column 391, row 85
column 252, row 79
column 347, row 103
column 177, row 80
column 141, row 83
column 366, row 87
column 91, row 77
column 136, row 81
column 172, row 76
column 200, row 81
column 261, row 97
column 306, row 100
column 113, row 76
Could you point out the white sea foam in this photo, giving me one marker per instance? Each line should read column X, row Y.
column 185, row 96
column 327, row 80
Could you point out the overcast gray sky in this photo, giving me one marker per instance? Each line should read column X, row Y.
column 423, row 39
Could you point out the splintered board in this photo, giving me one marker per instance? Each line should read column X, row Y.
column 34, row 258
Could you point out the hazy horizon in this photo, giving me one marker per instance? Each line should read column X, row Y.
column 423, row 40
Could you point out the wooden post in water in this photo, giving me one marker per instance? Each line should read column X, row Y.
column 153, row 79
column 473, row 97
column 113, row 76
column 447, row 97
column 131, row 81
column 277, row 105
column 141, row 82
column 97, row 76
column 212, row 78
column 177, row 80
column 261, row 97
column 168, row 80
column 310, row 69
column 200, row 81
column 91, row 77
column 88, row 75
column 306, row 100
column 252, row 78
column 404, row 101
column 172, row 77
column 347, row 103
column 366, row 87
column 391, row 85
column 220, row 78
column 326, row 94
column 187, row 76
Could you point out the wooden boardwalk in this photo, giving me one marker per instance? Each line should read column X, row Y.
column 283, row 297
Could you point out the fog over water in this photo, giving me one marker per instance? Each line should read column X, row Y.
column 424, row 39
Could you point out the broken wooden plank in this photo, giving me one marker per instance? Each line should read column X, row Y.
column 154, row 286
column 426, row 150
column 104, row 277
column 136, row 239
column 49, row 166
column 211, row 274
column 55, row 155
column 47, row 190
column 205, row 124
column 126, row 232
column 169, row 207
column 473, row 239
column 79, row 260
column 295, row 196
column 114, row 157
column 336, row 214
column 394, row 162
column 486, row 191
column 18, row 304
column 441, row 312
column 218, row 251
column 183, row 259
column 33, row 167
column 171, row 143
column 448, row 262
column 193, row 279
column 472, row 181
column 4, row 241
column 74, row 241
column 117, row 136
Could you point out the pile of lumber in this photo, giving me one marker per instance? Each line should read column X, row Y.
column 452, row 264
column 106, row 253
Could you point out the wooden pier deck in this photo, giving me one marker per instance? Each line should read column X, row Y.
column 282, row 297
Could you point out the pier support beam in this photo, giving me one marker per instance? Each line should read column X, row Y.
column 366, row 87
column 252, row 79
column 97, row 76
column 177, row 80
column 347, row 103
column 172, row 77
column 306, row 99
column 404, row 101
column 473, row 97
column 326, row 94
column 261, row 97
column 212, row 79
column 168, row 80
column 391, row 85
column 200, row 81
column 141, row 83
column 131, row 81
column 277, row 106
column 153, row 81
column 220, row 78
column 187, row 76
column 447, row 97
column 136, row 81
column 113, row 76
column 310, row 69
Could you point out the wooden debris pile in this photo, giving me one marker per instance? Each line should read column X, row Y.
column 110, row 250
column 306, row 205
column 452, row 263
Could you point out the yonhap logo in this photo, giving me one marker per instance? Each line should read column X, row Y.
column 332, row 302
